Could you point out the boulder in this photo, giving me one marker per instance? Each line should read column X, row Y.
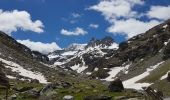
column 116, row 86
column 98, row 98
column 68, row 97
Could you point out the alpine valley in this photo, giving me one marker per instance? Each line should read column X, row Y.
column 98, row 70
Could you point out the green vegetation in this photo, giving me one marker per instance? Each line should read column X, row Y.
column 78, row 89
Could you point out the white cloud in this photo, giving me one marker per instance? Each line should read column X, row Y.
column 95, row 26
column 77, row 31
column 126, row 21
column 73, row 21
column 11, row 21
column 159, row 12
column 76, row 15
column 112, row 9
column 44, row 48
column 131, row 27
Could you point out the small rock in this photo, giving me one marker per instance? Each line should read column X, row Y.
column 68, row 97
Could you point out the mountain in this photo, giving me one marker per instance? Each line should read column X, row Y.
column 76, row 57
column 140, row 61
column 93, row 70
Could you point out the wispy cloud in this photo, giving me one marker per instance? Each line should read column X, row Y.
column 94, row 26
column 75, row 32
column 76, row 15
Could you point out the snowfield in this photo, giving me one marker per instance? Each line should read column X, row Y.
column 23, row 72
column 114, row 71
column 131, row 83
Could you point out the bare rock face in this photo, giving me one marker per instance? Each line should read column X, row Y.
column 116, row 86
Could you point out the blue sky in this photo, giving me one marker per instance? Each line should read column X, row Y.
column 76, row 21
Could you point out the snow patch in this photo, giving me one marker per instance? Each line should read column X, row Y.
column 165, row 26
column 96, row 69
column 164, row 76
column 58, row 63
column 88, row 73
column 113, row 46
column 131, row 83
column 69, row 53
column 52, row 56
column 23, row 72
column 125, row 69
column 78, row 68
column 114, row 71
column 10, row 77
column 165, row 43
